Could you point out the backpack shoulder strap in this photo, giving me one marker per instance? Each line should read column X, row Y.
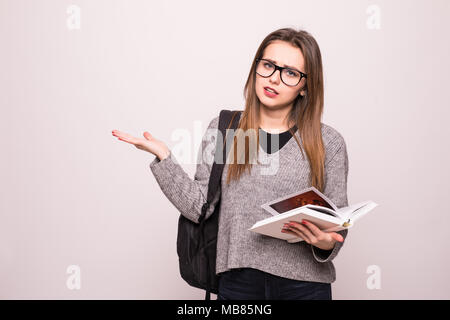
column 227, row 119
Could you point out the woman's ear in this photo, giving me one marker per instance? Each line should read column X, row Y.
column 302, row 91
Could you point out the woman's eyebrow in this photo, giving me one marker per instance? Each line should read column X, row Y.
column 283, row 65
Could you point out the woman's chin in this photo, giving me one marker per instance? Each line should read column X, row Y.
column 270, row 104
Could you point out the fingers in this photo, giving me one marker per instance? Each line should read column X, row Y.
column 337, row 236
column 313, row 233
column 129, row 138
column 124, row 136
column 313, row 228
column 148, row 136
column 319, row 234
column 297, row 226
column 295, row 231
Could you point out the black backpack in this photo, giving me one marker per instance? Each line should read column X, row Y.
column 197, row 242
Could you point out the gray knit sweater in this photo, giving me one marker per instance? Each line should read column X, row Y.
column 241, row 200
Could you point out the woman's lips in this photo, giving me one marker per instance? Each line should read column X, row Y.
column 270, row 94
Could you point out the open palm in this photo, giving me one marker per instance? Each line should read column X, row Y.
column 148, row 143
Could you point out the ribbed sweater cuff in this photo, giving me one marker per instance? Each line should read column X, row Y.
column 327, row 255
column 168, row 164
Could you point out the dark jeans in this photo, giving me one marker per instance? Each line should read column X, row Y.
column 253, row 284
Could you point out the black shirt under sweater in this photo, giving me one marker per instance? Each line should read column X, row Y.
column 265, row 139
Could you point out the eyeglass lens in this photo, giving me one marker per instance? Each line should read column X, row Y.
column 288, row 76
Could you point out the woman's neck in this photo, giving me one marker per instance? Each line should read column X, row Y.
column 274, row 121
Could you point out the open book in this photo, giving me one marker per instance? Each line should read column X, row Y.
column 312, row 205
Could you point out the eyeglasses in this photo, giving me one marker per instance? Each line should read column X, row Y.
column 289, row 76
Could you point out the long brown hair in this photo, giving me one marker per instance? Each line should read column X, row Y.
column 306, row 111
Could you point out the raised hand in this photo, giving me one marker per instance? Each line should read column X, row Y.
column 148, row 143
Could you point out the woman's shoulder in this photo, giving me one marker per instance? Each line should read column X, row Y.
column 214, row 122
column 331, row 137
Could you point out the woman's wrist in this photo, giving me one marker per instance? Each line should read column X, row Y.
column 164, row 154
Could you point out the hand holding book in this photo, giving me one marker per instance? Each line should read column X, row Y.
column 312, row 234
column 325, row 219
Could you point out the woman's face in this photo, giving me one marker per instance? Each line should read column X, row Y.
column 282, row 54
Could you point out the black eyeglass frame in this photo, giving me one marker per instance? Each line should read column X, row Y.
column 302, row 75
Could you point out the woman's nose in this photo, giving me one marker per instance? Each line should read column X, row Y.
column 275, row 77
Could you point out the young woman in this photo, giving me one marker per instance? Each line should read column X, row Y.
column 284, row 93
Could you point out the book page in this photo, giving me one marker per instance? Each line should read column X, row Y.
column 307, row 196
column 363, row 210
column 272, row 226
column 324, row 210
column 346, row 212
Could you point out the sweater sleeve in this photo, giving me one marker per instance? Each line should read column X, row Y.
column 336, row 173
column 186, row 194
